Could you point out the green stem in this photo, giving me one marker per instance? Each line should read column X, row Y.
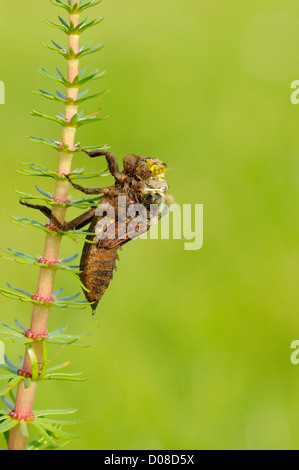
column 40, row 314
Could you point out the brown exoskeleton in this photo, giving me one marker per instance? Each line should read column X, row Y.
column 126, row 210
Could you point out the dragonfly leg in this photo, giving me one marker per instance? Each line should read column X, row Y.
column 111, row 162
column 74, row 224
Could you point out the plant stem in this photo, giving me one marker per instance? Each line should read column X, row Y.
column 40, row 313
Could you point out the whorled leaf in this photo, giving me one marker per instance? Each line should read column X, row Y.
column 76, row 121
column 35, row 169
column 76, row 8
column 62, row 147
column 29, row 259
column 78, row 81
column 82, row 97
column 74, row 235
column 82, row 203
column 52, row 433
column 52, row 76
column 59, row 146
column 70, row 28
column 56, row 301
column 51, row 429
column 16, row 335
column 70, row 54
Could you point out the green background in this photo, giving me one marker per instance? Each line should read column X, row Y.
column 193, row 349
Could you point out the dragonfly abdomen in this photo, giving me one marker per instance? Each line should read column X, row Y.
column 97, row 266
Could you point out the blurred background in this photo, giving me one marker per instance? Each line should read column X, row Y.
column 193, row 349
